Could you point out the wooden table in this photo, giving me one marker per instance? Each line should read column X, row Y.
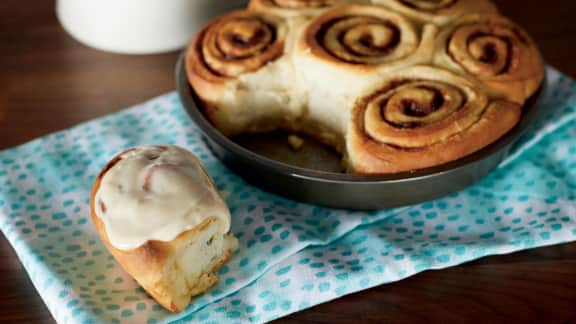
column 48, row 82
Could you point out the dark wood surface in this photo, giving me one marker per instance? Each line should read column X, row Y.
column 49, row 81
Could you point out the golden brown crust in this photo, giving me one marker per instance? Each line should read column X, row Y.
column 359, row 37
column 438, row 12
column 431, row 118
column 376, row 158
column 237, row 66
column 231, row 45
column 494, row 50
column 294, row 7
column 146, row 263
column 292, row 4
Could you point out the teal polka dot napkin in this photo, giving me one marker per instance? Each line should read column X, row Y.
column 291, row 255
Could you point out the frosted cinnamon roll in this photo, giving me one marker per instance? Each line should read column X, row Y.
column 439, row 12
column 495, row 51
column 159, row 214
column 239, row 67
column 346, row 49
column 421, row 117
column 295, row 7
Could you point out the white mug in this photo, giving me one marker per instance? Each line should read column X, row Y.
column 138, row 26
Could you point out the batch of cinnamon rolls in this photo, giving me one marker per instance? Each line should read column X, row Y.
column 394, row 85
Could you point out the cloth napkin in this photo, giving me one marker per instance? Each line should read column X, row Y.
column 291, row 255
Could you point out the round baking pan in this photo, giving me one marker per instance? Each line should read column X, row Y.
column 312, row 174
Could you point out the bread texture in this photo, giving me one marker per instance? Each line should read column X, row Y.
column 173, row 271
column 337, row 55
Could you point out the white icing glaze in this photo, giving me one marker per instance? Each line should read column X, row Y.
column 156, row 193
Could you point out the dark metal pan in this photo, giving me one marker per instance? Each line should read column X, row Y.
column 311, row 175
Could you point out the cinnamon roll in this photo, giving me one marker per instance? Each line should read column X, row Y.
column 439, row 12
column 348, row 48
column 494, row 50
column 294, row 8
column 238, row 66
column 421, row 117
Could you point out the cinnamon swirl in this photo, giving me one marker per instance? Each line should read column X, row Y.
column 348, row 48
column 439, row 12
column 494, row 50
column 421, row 117
column 239, row 67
